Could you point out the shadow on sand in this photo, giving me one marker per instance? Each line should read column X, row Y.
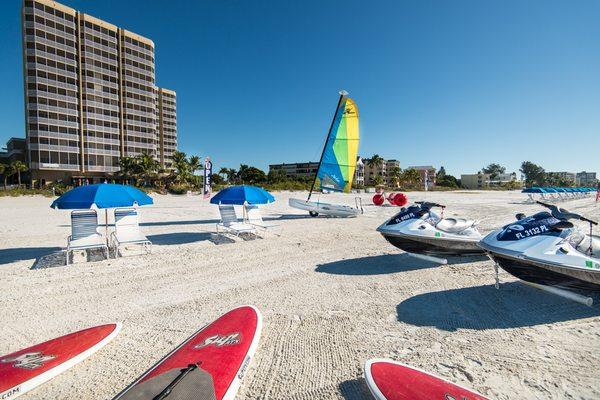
column 159, row 223
column 285, row 217
column 485, row 307
column 355, row 389
column 167, row 239
column 59, row 258
column 8, row 256
column 175, row 223
column 385, row 264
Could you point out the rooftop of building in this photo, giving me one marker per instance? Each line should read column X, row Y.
column 421, row 167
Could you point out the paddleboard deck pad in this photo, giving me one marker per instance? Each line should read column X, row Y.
column 209, row 365
column 390, row 380
column 26, row 369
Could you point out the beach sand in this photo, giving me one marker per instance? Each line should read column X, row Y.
column 333, row 293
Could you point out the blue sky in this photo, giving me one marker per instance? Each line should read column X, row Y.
column 459, row 84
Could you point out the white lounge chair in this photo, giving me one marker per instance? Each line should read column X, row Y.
column 230, row 223
column 254, row 218
column 84, row 232
column 127, row 230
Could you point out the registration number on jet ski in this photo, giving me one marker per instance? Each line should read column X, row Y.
column 531, row 232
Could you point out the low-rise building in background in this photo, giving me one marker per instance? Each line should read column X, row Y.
column 359, row 173
column 15, row 150
column 481, row 180
column 586, row 179
column 296, row 170
column 385, row 170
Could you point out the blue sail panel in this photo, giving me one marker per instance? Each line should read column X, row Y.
column 329, row 173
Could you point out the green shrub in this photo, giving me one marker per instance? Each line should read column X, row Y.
column 178, row 188
column 16, row 192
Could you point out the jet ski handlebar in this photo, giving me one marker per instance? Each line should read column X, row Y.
column 428, row 205
column 561, row 213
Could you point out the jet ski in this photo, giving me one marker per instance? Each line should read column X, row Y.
column 419, row 230
column 546, row 249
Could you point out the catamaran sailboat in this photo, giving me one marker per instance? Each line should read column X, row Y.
column 337, row 163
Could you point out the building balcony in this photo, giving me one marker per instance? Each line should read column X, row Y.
column 52, row 70
column 48, row 108
column 53, row 122
column 52, row 147
column 101, row 168
column 52, row 166
column 54, row 57
column 49, row 82
column 53, row 96
column 52, row 135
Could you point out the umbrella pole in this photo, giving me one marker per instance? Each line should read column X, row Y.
column 106, row 224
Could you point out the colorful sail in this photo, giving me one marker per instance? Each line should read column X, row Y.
column 336, row 170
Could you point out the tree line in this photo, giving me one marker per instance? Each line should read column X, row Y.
column 536, row 175
column 14, row 168
column 144, row 170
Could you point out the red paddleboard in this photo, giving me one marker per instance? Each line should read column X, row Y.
column 25, row 369
column 210, row 364
column 390, row 380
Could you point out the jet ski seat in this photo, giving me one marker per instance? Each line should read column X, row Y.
column 455, row 225
column 584, row 246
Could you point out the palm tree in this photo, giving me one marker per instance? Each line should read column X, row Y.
column 181, row 165
column 128, row 167
column 2, row 172
column 241, row 171
column 395, row 175
column 18, row 167
column 7, row 171
column 411, row 176
column 194, row 165
column 231, row 175
column 378, row 181
column 376, row 161
column 148, row 167
column 223, row 172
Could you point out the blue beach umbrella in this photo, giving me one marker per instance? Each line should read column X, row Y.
column 243, row 194
column 101, row 195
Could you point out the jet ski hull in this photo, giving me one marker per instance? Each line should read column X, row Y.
column 432, row 245
column 548, row 274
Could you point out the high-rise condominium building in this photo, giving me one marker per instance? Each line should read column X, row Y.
column 90, row 95
column 167, row 125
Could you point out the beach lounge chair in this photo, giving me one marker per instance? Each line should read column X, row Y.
column 230, row 223
column 127, row 230
column 254, row 218
column 84, row 232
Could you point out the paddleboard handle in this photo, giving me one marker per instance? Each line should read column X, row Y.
column 167, row 391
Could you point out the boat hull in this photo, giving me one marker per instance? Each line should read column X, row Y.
column 432, row 245
column 548, row 275
column 333, row 210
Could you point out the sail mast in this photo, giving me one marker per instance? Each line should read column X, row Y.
column 343, row 94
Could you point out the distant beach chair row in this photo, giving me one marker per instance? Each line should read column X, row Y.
column 86, row 234
column 556, row 194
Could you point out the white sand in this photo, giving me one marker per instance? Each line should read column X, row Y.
column 333, row 293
